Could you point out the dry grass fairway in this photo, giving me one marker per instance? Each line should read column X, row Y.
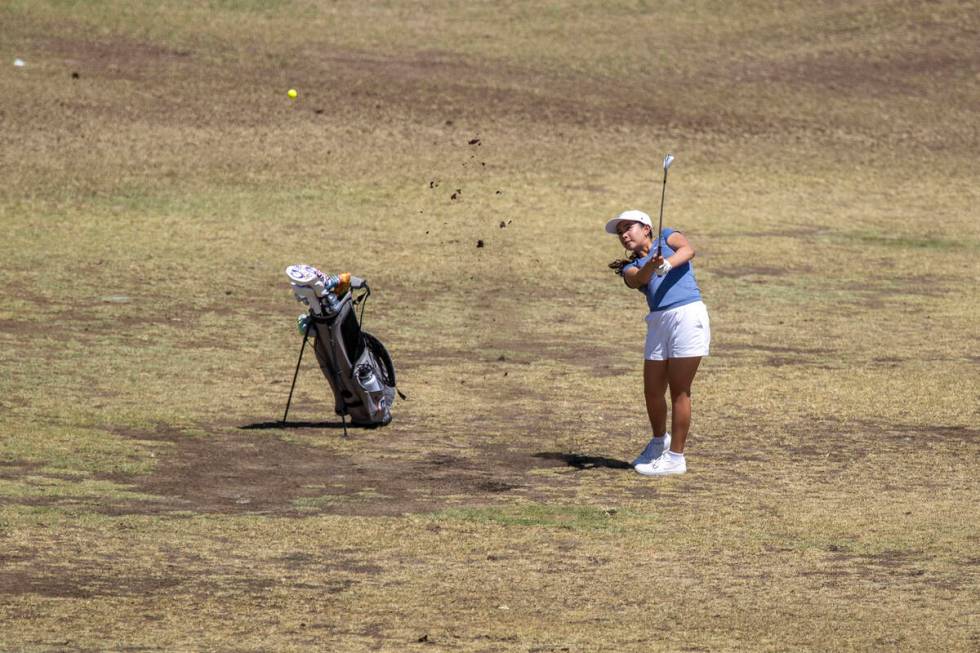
column 156, row 180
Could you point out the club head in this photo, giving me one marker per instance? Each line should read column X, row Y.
column 667, row 161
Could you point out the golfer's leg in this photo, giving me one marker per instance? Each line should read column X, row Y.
column 680, row 375
column 654, row 388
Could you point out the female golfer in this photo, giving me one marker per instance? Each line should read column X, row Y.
column 678, row 333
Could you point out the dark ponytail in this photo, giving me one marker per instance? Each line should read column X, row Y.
column 620, row 263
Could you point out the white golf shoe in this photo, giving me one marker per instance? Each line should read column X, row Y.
column 665, row 465
column 654, row 449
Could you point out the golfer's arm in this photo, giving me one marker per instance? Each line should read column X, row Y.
column 683, row 252
column 639, row 277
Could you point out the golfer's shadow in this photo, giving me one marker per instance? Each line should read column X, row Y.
column 302, row 425
column 578, row 461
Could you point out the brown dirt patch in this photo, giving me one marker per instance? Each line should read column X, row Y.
column 422, row 85
column 50, row 582
column 856, row 439
column 18, row 327
column 255, row 471
column 259, row 470
column 116, row 58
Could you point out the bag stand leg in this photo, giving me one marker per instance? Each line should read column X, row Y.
column 306, row 336
column 302, row 348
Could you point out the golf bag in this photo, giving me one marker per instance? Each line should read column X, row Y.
column 357, row 366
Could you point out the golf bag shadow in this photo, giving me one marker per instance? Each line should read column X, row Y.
column 356, row 364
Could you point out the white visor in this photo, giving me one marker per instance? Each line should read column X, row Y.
column 628, row 216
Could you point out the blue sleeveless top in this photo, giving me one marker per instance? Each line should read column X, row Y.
column 676, row 288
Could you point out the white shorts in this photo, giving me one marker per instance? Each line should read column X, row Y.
column 682, row 332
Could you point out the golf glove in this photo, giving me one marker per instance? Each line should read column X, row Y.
column 663, row 268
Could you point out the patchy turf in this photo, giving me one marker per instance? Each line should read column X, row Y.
column 463, row 158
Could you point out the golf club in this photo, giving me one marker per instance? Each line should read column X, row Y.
column 660, row 228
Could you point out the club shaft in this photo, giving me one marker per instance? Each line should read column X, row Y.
column 660, row 225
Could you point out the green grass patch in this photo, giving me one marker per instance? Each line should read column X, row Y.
column 86, row 491
column 77, row 450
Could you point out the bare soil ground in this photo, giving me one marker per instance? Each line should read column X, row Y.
column 157, row 180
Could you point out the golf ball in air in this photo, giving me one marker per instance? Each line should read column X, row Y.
column 291, row 93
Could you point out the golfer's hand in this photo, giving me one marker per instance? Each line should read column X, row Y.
column 661, row 266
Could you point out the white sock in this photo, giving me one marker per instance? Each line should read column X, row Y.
column 676, row 456
column 660, row 440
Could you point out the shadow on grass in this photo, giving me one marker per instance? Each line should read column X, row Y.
column 579, row 461
column 300, row 425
